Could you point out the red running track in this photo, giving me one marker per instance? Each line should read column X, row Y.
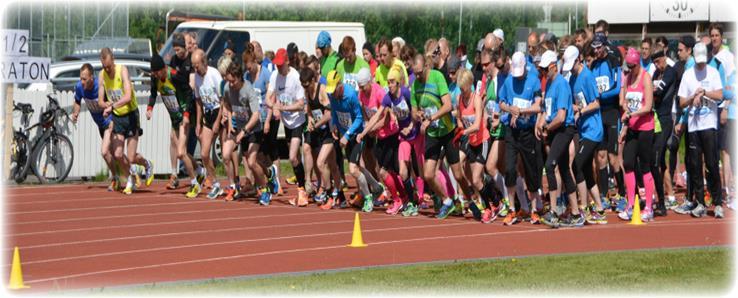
column 81, row 236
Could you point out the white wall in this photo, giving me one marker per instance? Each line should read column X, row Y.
column 154, row 144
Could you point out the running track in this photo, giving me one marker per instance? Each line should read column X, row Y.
column 81, row 236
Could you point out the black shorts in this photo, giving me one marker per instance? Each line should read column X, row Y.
column 610, row 129
column 269, row 141
column 292, row 133
column 476, row 154
column 317, row 138
column 353, row 151
column 385, row 152
column 252, row 138
column 435, row 148
column 101, row 130
column 128, row 125
column 369, row 142
column 209, row 118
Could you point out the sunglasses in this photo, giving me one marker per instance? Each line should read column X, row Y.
column 631, row 66
column 485, row 64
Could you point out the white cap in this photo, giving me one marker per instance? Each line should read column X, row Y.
column 363, row 77
column 399, row 40
column 518, row 64
column 499, row 33
column 570, row 56
column 700, row 53
column 547, row 58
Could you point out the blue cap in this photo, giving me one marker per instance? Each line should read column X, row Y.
column 324, row 39
column 599, row 40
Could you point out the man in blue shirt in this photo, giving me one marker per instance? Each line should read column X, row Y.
column 346, row 122
column 607, row 72
column 520, row 96
column 586, row 105
column 86, row 89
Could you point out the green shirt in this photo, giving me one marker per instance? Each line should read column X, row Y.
column 348, row 71
column 382, row 71
column 328, row 63
column 426, row 96
column 492, row 106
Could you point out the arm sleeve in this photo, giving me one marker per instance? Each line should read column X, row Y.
column 614, row 90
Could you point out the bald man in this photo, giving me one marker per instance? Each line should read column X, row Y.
column 259, row 55
column 491, row 42
column 207, row 93
column 532, row 46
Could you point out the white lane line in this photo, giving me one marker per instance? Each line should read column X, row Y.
column 109, row 207
column 302, row 250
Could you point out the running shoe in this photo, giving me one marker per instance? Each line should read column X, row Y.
column 605, row 202
column 149, row 172
column 231, row 194
column 424, row 200
column 535, row 218
column 410, row 210
column 134, row 171
column 173, row 182
column 625, row 215
column 550, row 219
column 699, row 211
column 194, row 191
column 647, row 216
column 504, row 209
column 719, row 212
column 200, row 174
column 114, row 184
column 510, row 219
column 302, row 197
column 684, row 208
column 573, row 221
column 476, row 213
column 275, row 186
column 368, row 204
column 459, row 207
column 328, row 204
column 488, row 216
column 265, row 198
column 130, row 187
column 436, row 203
column 671, row 203
column 396, row 207
column 622, row 203
column 445, row 211
column 291, row 180
column 600, row 217
column 320, row 197
column 215, row 192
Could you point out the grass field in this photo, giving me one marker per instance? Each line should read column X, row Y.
column 702, row 271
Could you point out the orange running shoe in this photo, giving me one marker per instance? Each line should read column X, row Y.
column 534, row 218
column 510, row 219
column 328, row 204
column 231, row 194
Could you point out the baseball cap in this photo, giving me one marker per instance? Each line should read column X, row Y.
column 632, row 56
column 570, row 56
column 599, row 40
column 324, row 39
column 518, row 64
column 499, row 33
column 547, row 58
column 688, row 41
column 178, row 41
column 333, row 78
column 700, row 53
column 280, row 57
column 157, row 63
column 363, row 77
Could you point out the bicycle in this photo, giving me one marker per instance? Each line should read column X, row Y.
column 51, row 153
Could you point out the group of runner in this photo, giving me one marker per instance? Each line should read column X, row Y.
column 435, row 129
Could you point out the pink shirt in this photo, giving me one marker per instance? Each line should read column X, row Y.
column 634, row 99
column 371, row 103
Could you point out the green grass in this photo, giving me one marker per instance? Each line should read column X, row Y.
column 703, row 271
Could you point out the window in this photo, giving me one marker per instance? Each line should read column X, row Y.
column 239, row 38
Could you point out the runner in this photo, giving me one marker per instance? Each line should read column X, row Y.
column 329, row 58
column 492, row 78
column 287, row 96
column 701, row 91
column 664, row 91
column 87, row 89
column 116, row 95
column 175, row 93
column 385, row 127
column 636, row 98
column 388, row 61
column 208, row 102
column 586, row 105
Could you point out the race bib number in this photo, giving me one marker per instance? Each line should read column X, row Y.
column 263, row 111
column 522, row 103
column 401, row 110
column 241, row 114
column 209, row 98
column 581, row 100
column 317, row 115
column 549, row 106
column 344, row 119
column 93, row 106
column 634, row 101
column 468, row 120
column 429, row 111
column 114, row 95
column 350, row 80
column 286, row 99
column 170, row 101
column 603, row 83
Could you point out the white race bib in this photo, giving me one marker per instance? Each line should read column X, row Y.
column 429, row 111
column 581, row 100
column 634, row 101
column 209, row 98
column 114, row 95
column 344, row 119
column 603, row 83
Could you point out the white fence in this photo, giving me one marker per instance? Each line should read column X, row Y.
column 154, row 144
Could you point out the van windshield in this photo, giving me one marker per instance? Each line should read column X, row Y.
column 204, row 39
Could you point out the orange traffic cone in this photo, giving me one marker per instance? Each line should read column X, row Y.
column 356, row 239
column 636, row 218
column 16, row 275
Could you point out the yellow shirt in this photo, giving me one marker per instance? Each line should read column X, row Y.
column 114, row 91
column 382, row 71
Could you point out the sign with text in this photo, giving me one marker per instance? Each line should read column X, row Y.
column 15, row 42
column 679, row 10
column 24, row 69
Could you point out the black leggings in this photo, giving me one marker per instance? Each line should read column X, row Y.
column 522, row 141
column 638, row 150
column 583, row 162
column 658, row 166
column 704, row 143
column 558, row 155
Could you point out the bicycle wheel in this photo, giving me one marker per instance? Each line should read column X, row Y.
column 19, row 161
column 53, row 159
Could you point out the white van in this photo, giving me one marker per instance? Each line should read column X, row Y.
column 272, row 35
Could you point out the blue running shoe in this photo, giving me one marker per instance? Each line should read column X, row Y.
column 265, row 198
column 274, row 184
column 621, row 204
column 445, row 211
